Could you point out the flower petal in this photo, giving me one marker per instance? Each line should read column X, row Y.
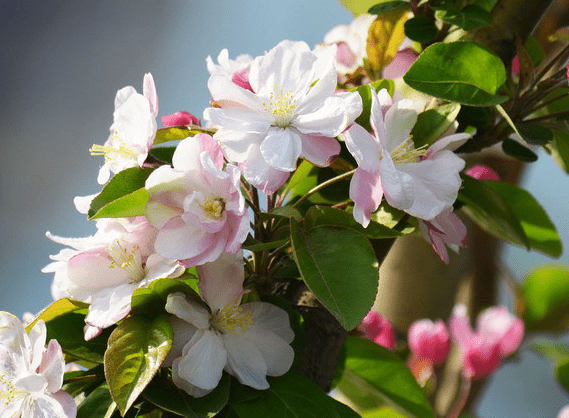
column 276, row 352
column 364, row 147
column 245, row 361
column 270, row 318
column 190, row 310
column 319, row 150
column 367, row 192
column 281, row 148
column 221, row 281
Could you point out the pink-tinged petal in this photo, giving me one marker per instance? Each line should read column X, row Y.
column 239, row 226
column 260, row 174
column 319, row 150
column 399, row 121
column 149, row 91
column 241, row 78
column 67, row 403
column 428, row 340
column 277, row 353
column 159, row 214
column 506, row 328
column 366, row 192
column 400, row 64
column 211, row 147
column 92, row 270
column 460, row 328
column 229, row 95
column 281, row 148
column 187, row 155
column 345, row 56
column 439, row 247
column 221, row 281
column 364, row 147
column 398, row 186
column 52, row 366
column 482, row 172
column 46, row 406
column 329, row 120
column 379, row 101
column 166, row 180
column 245, row 361
column 202, row 362
column 190, row 310
column 270, row 318
column 481, row 357
column 110, row 306
column 180, row 118
column 211, row 248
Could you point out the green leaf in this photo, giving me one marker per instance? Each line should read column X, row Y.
column 463, row 72
column 137, row 348
column 562, row 375
column 255, row 246
column 553, row 351
column 292, row 396
column 97, row 404
column 487, row 5
column 421, row 29
column 388, row 6
column 67, row 329
column 534, row 134
column 546, row 295
column 559, row 149
column 177, row 133
column 283, row 212
column 432, row 123
column 162, row 392
column 510, row 213
column 388, row 215
column 325, row 215
column 518, row 151
column 58, row 308
column 468, row 18
column 150, row 300
column 365, row 93
column 123, row 196
column 164, row 154
column 383, row 412
column 382, row 374
column 534, row 50
column 339, row 267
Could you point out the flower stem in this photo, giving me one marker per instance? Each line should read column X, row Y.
column 461, row 399
column 323, row 185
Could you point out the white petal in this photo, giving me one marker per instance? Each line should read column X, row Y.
column 399, row 121
column 277, row 353
column 37, row 336
column 329, row 120
column 397, row 185
column 202, row 361
column 190, row 310
column 221, row 281
column 260, row 174
column 270, row 318
column 110, row 306
column 53, row 366
column 237, row 119
column 364, row 147
column 281, row 148
column 183, row 331
column 245, row 361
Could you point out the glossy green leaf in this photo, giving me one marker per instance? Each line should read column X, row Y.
column 339, row 267
column 381, row 373
column 518, row 151
column 162, row 392
column 292, row 396
column 383, row 412
column 510, row 213
column 463, row 72
column 137, row 348
column 150, row 300
column 421, row 29
column 97, row 404
column 388, row 6
column 534, row 50
column 365, row 93
column 559, row 149
column 82, row 382
column 58, row 308
column 534, row 134
column 164, row 154
column 388, row 215
column 326, row 215
column 487, row 5
column 255, row 246
column 283, row 212
column 546, row 295
column 123, row 196
column 468, row 18
column 432, row 123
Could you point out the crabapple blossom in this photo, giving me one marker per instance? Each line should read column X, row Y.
column 429, row 340
column 180, row 118
column 444, row 229
column 197, row 206
column 31, row 375
column 132, row 132
column 291, row 112
column 249, row 341
column 237, row 70
column 482, row 172
column 422, row 182
column 498, row 334
column 105, row 269
column 378, row 329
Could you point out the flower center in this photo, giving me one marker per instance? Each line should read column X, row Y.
column 130, row 261
column 282, row 106
column 214, row 207
column 117, row 151
column 406, row 153
column 231, row 319
column 7, row 390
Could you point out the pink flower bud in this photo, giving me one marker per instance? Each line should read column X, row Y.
column 516, row 65
column 378, row 329
column 481, row 357
column 428, row 340
column 482, row 172
column 180, row 118
column 503, row 326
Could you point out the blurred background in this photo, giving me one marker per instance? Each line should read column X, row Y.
column 61, row 63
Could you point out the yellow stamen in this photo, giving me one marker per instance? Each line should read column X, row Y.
column 282, row 106
column 130, row 261
column 406, row 153
column 231, row 319
column 214, row 207
column 120, row 150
